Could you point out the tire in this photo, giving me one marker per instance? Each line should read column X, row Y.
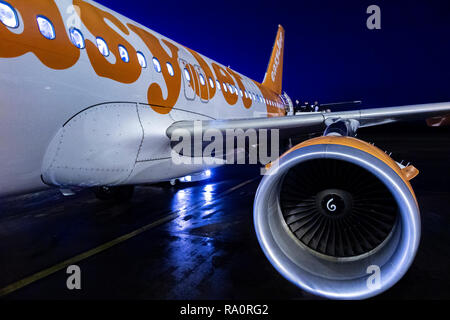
column 116, row 194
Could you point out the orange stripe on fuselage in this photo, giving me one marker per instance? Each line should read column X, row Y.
column 95, row 20
column 56, row 54
column 60, row 53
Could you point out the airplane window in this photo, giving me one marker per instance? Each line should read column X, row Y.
column 142, row 60
column 225, row 87
column 254, row 97
column 8, row 15
column 230, row 88
column 170, row 69
column 211, row 83
column 202, row 80
column 218, row 85
column 77, row 38
column 242, row 94
column 156, row 65
column 102, row 46
column 246, row 93
column 187, row 75
column 123, row 54
column 46, row 27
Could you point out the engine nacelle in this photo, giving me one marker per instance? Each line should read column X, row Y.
column 337, row 217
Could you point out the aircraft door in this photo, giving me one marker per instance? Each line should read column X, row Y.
column 188, row 79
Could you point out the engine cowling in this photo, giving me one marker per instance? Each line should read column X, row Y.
column 338, row 217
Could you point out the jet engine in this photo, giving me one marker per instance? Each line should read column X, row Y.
column 337, row 217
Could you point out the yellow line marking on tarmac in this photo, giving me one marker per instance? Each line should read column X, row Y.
column 62, row 265
column 45, row 273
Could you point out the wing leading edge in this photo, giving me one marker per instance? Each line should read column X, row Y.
column 317, row 122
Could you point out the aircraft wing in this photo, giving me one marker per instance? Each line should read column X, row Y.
column 313, row 122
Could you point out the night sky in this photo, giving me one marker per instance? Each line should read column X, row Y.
column 330, row 55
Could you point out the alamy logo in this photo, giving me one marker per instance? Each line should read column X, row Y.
column 211, row 146
column 74, row 17
column 374, row 280
column 374, row 20
column 74, row 280
column 276, row 62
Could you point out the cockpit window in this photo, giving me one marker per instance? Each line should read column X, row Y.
column 77, row 38
column 102, row 46
column 46, row 27
column 8, row 15
column 211, row 83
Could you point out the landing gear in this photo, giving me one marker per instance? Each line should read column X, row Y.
column 116, row 194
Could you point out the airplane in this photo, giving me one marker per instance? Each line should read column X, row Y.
column 91, row 99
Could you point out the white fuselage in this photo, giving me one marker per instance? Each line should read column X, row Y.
column 66, row 122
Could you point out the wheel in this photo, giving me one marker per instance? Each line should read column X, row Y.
column 116, row 194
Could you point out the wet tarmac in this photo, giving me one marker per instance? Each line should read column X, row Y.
column 198, row 241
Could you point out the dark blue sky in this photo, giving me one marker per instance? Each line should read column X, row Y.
column 330, row 55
